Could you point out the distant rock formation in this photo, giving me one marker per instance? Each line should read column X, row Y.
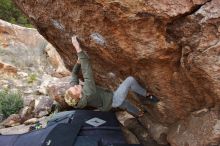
column 28, row 64
column 7, row 69
column 25, row 47
column 171, row 47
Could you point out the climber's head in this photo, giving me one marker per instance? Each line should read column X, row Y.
column 73, row 95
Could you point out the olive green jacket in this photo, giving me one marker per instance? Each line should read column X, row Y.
column 92, row 95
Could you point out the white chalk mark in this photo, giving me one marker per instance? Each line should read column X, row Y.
column 58, row 25
column 98, row 38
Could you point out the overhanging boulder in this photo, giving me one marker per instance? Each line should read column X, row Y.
column 171, row 47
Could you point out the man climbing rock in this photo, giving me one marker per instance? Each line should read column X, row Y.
column 88, row 94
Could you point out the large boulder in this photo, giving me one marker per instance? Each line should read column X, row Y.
column 171, row 47
column 26, row 48
column 56, row 61
column 200, row 128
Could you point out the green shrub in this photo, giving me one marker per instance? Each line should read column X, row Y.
column 31, row 78
column 10, row 13
column 10, row 102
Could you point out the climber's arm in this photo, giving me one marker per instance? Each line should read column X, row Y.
column 89, row 87
column 75, row 72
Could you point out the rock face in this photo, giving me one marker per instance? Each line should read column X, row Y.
column 7, row 69
column 200, row 128
column 171, row 47
column 26, row 48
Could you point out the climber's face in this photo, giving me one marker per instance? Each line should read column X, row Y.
column 76, row 90
column 73, row 95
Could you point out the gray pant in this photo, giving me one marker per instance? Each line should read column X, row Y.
column 122, row 91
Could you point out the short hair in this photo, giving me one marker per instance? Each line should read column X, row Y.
column 71, row 99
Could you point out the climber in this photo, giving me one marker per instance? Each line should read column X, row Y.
column 79, row 96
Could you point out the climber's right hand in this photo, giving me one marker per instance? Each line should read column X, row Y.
column 76, row 44
column 78, row 61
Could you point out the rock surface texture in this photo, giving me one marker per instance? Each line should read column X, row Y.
column 171, row 47
column 200, row 128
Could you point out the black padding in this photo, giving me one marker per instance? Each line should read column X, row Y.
column 61, row 117
column 87, row 141
column 123, row 145
column 70, row 129
column 107, row 133
column 62, row 135
column 84, row 115
column 7, row 140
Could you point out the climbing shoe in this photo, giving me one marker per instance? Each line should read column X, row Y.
column 152, row 99
column 149, row 99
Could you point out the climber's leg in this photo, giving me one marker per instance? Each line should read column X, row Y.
column 130, row 84
column 122, row 91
